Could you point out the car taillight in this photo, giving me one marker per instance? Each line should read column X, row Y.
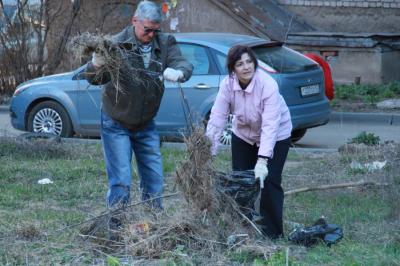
column 329, row 88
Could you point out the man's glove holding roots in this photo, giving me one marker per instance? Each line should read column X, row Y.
column 98, row 59
column 173, row 75
column 261, row 170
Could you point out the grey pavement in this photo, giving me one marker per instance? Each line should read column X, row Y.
column 4, row 108
column 384, row 118
column 342, row 127
column 334, row 134
column 387, row 117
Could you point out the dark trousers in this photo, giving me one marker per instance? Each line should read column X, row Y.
column 244, row 157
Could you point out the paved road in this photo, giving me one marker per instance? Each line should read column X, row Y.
column 5, row 125
column 337, row 132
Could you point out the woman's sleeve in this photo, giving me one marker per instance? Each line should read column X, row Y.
column 270, row 118
column 219, row 111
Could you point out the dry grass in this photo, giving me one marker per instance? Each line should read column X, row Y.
column 200, row 219
column 35, row 147
column 28, row 232
column 60, row 223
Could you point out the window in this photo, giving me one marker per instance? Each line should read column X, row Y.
column 221, row 60
column 197, row 55
column 283, row 60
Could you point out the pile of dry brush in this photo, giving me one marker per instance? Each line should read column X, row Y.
column 199, row 220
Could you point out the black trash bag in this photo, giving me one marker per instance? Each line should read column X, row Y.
column 241, row 186
column 321, row 230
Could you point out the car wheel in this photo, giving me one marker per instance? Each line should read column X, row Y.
column 297, row 134
column 51, row 118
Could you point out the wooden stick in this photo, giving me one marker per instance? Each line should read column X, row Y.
column 340, row 185
column 234, row 206
column 250, row 222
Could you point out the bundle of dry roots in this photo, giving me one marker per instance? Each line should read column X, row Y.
column 85, row 44
column 123, row 64
column 199, row 220
column 194, row 176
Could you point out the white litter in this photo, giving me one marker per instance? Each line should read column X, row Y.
column 173, row 23
column 356, row 165
column 375, row 165
column 45, row 181
column 367, row 166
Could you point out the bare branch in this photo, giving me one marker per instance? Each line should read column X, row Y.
column 334, row 186
column 64, row 38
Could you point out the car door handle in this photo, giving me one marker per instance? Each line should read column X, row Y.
column 202, row 86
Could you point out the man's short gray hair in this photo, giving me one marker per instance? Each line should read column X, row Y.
column 148, row 10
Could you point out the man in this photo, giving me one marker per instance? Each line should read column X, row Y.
column 131, row 97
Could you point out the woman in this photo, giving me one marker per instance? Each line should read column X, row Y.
column 261, row 130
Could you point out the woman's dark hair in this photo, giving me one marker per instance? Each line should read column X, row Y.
column 235, row 53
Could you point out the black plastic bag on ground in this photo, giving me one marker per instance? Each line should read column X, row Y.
column 241, row 186
column 321, row 230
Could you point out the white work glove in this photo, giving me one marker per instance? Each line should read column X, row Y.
column 214, row 146
column 261, row 170
column 173, row 75
column 98, row 59
column 213, row 135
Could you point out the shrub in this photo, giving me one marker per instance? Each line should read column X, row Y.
column 345, row 92
column 368, row 93
column 366, row 138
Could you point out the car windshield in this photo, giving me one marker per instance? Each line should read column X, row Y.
column 283, row 60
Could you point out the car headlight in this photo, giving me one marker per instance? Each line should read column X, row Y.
column 18, row 90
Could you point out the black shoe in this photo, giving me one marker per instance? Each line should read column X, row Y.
column 114, row 223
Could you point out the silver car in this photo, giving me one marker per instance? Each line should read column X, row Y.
column 67, row 105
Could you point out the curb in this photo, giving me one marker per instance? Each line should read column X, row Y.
column 182, row 146
column 382, row 118
column 386, row 118
column 4, row 108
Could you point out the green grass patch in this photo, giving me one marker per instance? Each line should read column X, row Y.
column 35, row 219
column 370, row 94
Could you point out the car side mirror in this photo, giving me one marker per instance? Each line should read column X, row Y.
column 79, row 76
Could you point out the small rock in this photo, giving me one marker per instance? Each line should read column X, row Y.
column 389, row 104
column 234, row 240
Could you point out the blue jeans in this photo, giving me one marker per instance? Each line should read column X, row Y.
column 119, row 143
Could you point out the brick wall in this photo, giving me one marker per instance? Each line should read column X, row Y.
column 340, row 3
column 351, row 16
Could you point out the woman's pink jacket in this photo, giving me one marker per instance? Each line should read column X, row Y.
column 260, row 113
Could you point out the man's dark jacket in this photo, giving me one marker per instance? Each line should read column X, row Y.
column 132, row 93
